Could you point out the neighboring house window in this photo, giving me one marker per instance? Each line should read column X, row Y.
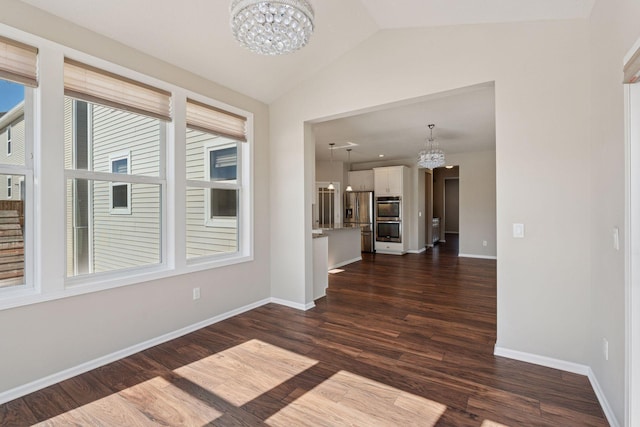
column 9, row 140
column 9, row 187
column 120, row 195
column 221, row 208
column 218, row 177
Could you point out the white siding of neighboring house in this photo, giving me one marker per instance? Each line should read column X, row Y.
column 126, row 240
column 201, row 239
column 119, row 240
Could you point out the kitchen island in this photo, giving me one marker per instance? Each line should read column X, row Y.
column 344, row 245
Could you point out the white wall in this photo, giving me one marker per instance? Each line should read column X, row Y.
column 45, row 338
column 613, row 31
column 541, row 108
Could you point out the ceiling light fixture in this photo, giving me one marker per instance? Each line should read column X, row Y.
column 432, row 156
column 349, row 160
column 272, row 27
column 331, row 186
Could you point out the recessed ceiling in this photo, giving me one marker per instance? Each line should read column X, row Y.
column 464, row 121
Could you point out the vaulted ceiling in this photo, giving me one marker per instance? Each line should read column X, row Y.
column 195, row 35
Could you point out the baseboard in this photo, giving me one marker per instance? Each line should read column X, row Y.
column 291, row 304
column 549, row 362
column 563, row 365
column 477, row 256
column 416, row 251
column 604, row 403
column 340, row 264
column 49, row 380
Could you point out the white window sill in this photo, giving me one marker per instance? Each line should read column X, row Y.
column 22, row 296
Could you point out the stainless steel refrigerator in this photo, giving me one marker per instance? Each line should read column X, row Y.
column 358, row 212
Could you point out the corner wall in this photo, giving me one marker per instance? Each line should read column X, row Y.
column 541, row 108
column 613, row 30
column 42, row 339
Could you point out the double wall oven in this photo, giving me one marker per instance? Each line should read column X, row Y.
column 389, row 219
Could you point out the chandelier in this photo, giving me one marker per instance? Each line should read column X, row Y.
column 432, row 156
column 272, row 27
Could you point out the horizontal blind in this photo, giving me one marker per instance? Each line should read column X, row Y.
column 18, row 62
column 210, row 119
column 102, row 87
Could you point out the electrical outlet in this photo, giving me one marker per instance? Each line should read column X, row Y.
column 196, row 293
column 605, row 348
column 484, row 243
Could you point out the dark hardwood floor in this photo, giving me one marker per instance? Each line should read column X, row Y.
column 397, row 341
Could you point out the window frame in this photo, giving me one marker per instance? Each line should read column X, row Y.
column 9, row 143
column 45, row 177
column 114, row 157
column 9, row 186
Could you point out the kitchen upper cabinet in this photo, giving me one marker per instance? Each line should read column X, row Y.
column 388, row 181
column 361, row 180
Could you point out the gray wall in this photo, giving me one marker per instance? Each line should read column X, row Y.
column 42, row 339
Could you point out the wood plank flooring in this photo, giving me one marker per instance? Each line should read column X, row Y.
column 397, row 341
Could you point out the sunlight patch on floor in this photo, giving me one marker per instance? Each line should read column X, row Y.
column 153, row 399
column 335, row 271
column 246, row 371
column 489, row 423
column 349, row 399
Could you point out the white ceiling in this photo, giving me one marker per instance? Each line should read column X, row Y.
column 195, row 35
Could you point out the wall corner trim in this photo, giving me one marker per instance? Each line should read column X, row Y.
column 563, row 365
column 416, row 251
column 291, row 304
column 49, row 380
column 606, row 407
column 477, row 256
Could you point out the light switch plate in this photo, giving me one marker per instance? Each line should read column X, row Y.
column 518, row 231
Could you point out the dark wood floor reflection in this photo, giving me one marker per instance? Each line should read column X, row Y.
column 398, row 340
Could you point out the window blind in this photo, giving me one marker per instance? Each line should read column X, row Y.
column 92, row 84
column 206, row 118
column 18, row 62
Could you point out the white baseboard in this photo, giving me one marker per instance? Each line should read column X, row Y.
column 477, row 256
column 416, row 251
column 291, row 304
column 563, row 365
column 49, row 380
column 549, row 362
column 340, row 264
column 606, row 407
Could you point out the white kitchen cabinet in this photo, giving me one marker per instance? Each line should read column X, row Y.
column 388, row 181
column 361, row 180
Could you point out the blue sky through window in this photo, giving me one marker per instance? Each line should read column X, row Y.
column 10, row 95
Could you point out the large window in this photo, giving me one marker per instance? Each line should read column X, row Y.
column 116, row 189
column 17, row 79
column 215, row 181
column 115, row 177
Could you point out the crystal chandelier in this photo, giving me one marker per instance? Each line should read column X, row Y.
column 432, row 156
column 272, row 27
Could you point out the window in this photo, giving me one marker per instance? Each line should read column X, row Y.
column 114, row 172
column 9, row 140
column 120, row 194
column 221, row 204
column 9, row 186
column 217, row 193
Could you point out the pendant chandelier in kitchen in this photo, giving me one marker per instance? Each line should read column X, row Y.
column 432, row 156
